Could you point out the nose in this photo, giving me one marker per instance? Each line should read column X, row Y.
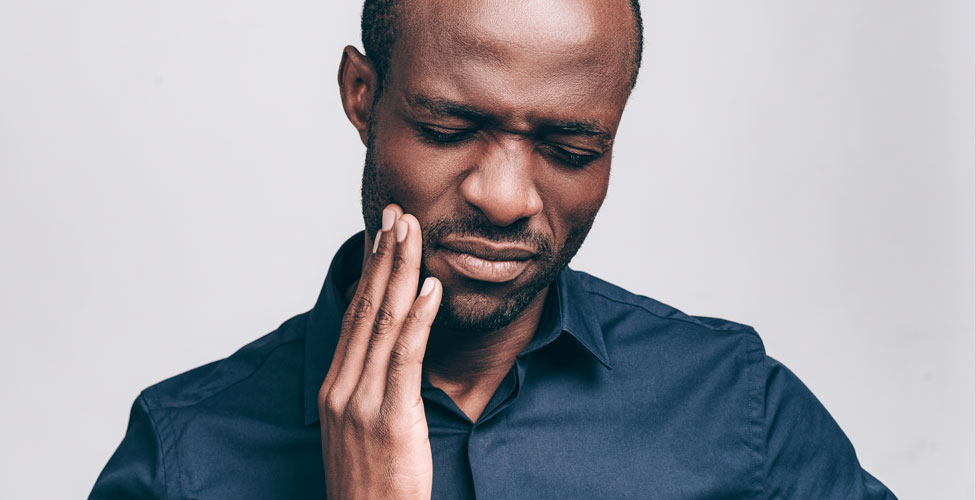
column 502, row 185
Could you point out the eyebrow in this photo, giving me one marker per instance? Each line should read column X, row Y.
column 572, row 127
column 441, row 106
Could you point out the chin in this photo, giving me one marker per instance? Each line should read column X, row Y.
column 480, row 312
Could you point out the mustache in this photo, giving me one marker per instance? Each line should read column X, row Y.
column 478, row 225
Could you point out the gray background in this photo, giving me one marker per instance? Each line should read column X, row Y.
column 175, row 177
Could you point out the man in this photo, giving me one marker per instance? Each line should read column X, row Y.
column 451, row 353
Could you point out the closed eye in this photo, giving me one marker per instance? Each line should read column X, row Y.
column 572, row 158
column 441, row 135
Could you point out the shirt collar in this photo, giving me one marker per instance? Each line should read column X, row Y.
column 324, row 321
column 574, row 315
column 577, row 317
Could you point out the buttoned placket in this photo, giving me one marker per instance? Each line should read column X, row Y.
column 488, row 463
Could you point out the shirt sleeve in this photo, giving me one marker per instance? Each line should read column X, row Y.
column 807, row 454
column 135, row 471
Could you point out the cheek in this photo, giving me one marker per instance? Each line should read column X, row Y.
column 418, row 177
column 572, row 198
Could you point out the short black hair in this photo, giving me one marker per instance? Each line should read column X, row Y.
column 380, row 29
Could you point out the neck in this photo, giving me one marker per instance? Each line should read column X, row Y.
column 462, row 356
column 469, row 367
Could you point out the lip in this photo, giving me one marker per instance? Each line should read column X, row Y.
column 482, row 260
column 488, row 250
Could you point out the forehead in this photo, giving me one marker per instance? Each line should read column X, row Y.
column 533, row 55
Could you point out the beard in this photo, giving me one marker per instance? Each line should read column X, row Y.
column 476, row 306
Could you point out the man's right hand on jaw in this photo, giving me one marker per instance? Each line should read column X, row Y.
column 374, row 430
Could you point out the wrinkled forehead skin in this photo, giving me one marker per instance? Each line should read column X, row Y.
column 548, row 57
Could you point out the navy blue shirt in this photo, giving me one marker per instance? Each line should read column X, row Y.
column 617, row 396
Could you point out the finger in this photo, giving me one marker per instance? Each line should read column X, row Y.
column 343, row 342
column 357, row 321
column 401, row 291
column 407, row 356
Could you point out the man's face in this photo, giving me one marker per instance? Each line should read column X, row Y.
column 494, row 129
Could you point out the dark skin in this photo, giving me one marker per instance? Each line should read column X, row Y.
column 500, row 110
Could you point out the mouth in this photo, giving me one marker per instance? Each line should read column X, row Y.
column 485, row 260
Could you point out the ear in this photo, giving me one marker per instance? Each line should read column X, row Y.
column 357, row 84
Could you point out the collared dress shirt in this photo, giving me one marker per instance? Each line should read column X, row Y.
column 617, row 396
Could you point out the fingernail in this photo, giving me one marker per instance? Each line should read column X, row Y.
column 389, row 216
column 401, row 231
column 376, row 240
column 427, row 288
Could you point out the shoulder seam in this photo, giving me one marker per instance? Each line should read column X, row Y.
column 686, row 319
column 228, row 386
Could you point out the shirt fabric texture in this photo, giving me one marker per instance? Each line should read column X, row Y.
column 617, row 396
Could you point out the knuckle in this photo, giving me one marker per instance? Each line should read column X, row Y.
column 323, row 395
column 331, row 403
column 414, row 318
column 384, row 322
column 399, row 262
column 357, row 312
column 358, row 412
column 399, row 356
column 348, row 321
column 363, row 308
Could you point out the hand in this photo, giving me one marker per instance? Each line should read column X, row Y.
column 374, row 430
